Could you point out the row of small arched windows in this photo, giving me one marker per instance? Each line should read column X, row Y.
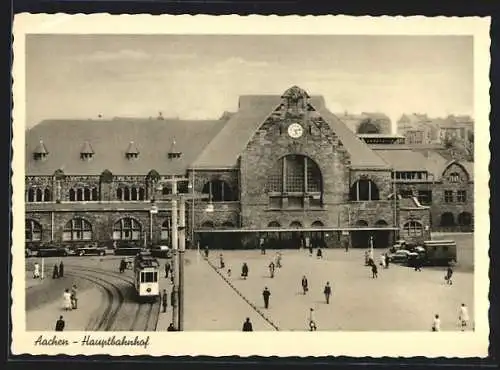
column 130, row 193
column 83, row 194
column 39, row 195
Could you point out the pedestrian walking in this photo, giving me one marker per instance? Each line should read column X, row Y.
column 221, row 261
column 55, row 272
column 228, row 272
column 206, row 251
column 304, row 283
column 418, row 264
column 374, row 271
column 244, row 271
column 123, row 265
column 266, row 294
column 271, row 269
column 67, row 300
column 60, row 324
column 171, row 327
column 463, row 316
column 167, row 269
column 74, row 297
column 386, row 261
column 36, row 271
column 262, row 245
column 310, row 250
column 61, row 269
column 327, row 292
column 346, row 245
column 247, row 325
column 311, row 323
column 449, row 274
column 164, row 300
column 382, row 261
column 319, row 253
column 436, row 323
column 278, row 260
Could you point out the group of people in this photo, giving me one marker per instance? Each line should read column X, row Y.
column 58, row 272
column 463, row 319
column 70, row 299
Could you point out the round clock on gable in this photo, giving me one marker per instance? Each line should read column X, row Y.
column 295, row 130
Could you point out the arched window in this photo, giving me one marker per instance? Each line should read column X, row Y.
column 296, row 224
column 119, row 194
column 72, row 195
column 207, row 225
column 295, row 177
column 126, row 193
column 31, row 195
column 165, row 230
column 454, row 177
column 39, row 195
column 447, row 219
column 86, row 194
column 412, row 229
column 95, row 194
column 464, row 219
column 127, row 229
column 79, row 194
column 47, row 195
column 274, row 224
column 362, row 223
column 218, row 191
column 33, row 231
column 133, row 193
column 364, row 190
column 228, row 225
column 142, row 194
column 381, row 223
column 77, row 229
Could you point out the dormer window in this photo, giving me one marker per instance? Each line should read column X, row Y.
column 40, row 152
column 132, row 151
column 87, row 152
column 174, row 152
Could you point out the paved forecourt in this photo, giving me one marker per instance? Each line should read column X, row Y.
column 210, row 303
column 400, row 299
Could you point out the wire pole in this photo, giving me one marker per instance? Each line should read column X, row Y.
column 175, row 247
column 182, row 249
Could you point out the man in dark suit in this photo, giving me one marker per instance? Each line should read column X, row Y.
column 266, row 294
column 247, row 325
column 60, row 324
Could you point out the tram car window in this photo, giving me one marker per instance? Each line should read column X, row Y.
column 146, row 269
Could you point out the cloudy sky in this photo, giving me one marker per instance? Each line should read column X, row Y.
column 83, row 76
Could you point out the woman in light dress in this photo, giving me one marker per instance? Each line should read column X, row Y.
column 67, row 300
column 36, row 272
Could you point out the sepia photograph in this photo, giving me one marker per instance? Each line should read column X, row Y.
column 251, row 182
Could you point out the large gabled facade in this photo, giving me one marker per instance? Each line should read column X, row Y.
column 282, row 168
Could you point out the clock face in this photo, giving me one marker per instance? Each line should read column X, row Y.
column 295, row 130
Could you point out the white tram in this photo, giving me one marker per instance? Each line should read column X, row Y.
column 146, row 269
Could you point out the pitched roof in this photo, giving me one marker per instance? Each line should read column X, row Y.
column 40, row 148
column 361, row 154
column 109, row 141
column 403, row 159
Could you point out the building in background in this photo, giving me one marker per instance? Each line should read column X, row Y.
column 283, row 168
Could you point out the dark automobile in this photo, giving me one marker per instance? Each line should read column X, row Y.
column 53, row 251
column 161, row 251
column 127, row 251
column 90, row 250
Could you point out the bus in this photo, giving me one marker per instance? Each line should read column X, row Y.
column 440, row 252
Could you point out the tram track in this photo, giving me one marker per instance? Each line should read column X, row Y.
column 131, row 315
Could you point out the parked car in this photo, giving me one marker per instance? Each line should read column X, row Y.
column 127, row 251
column 400, row 244
column 90, row 250
column 401, row 256
column 161, row 251
column 53, row 251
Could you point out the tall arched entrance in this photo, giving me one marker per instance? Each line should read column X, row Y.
column 274, row 238
column 360, row 238
column 292, row 239
column 207, row 239
column 317, row 237
column 381, row 237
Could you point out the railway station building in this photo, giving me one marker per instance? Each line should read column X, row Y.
column 283, row 169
